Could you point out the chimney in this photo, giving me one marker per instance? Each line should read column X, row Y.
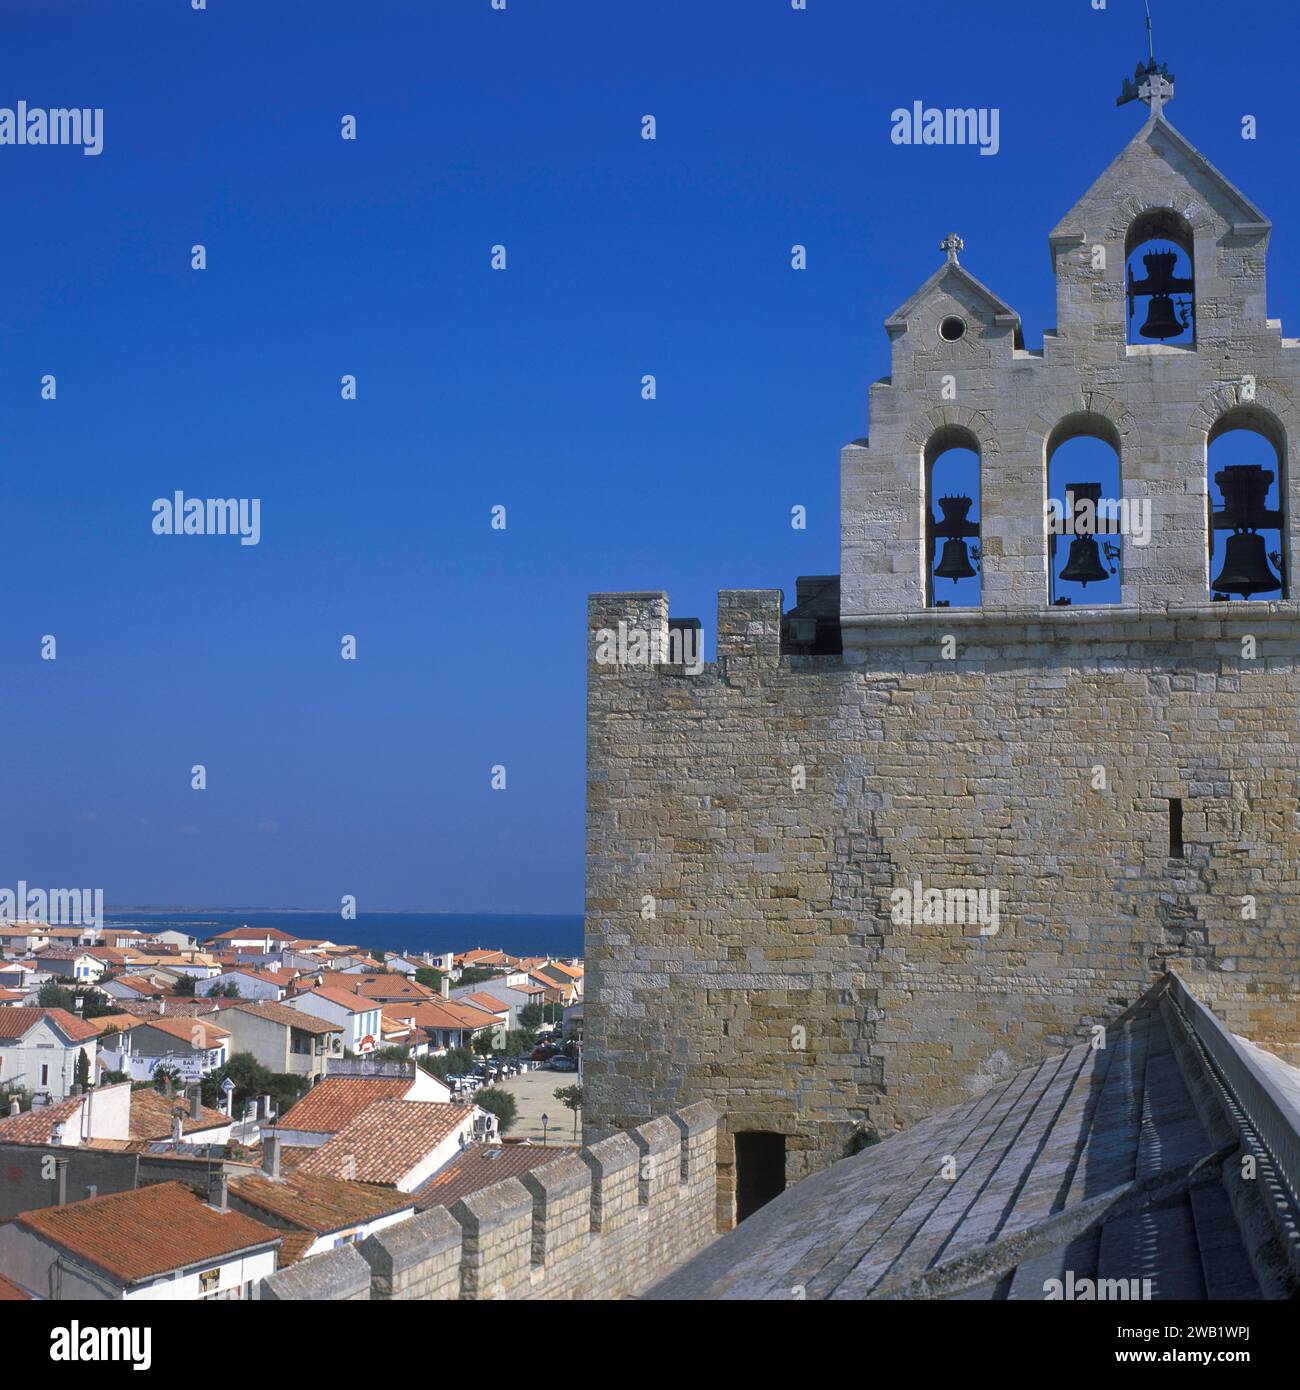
column 178, row 1129
column 271, row 1155
column 446, row 986
column 218, row 1188
column 196, row 1104
column 266, row 1107
column 61, row 1179
column 15, row 1108
column 162, row 1007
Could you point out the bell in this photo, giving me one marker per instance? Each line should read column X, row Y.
column 1162, row 321
column 954, row 563
column 1246, row 569
column 1084, row 565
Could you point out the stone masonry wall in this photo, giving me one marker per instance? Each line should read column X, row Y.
column 771, row 978
column 603, row 1223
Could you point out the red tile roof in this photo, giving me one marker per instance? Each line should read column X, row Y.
column 252, row 934
column 10, row 1292
column 479, row 1166
column 387, row 1140
column 198, row 1033
column 147, row 1231
column 33, row 1126
column 389, row 987
column 315, row 1202
column 346, row 999
column 331, row 1105
column 281, row 1013
column 17, row 1023
column 152, row 1113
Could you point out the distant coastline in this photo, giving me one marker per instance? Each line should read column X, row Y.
column 519, row 934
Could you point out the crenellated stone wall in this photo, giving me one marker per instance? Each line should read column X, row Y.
column 603, row 1223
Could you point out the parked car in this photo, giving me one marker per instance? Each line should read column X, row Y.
column 561, row 1064
column 544, row 1051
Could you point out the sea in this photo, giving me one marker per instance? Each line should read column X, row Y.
column 413, row 932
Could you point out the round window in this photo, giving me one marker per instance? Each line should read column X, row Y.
column 952, row 328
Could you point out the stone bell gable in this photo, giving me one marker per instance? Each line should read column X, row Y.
column 962, row 378
column 1160, row 175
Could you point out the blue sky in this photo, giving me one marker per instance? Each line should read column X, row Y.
column 475, row 387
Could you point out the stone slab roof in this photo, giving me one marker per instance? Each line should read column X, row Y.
column 1097, row 1163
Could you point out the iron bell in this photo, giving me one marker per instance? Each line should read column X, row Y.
column 1246, row 569
column 1084, row 565
column 954, row 563
column 1162, row 320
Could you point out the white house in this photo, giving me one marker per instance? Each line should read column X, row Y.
column 251, row 981
column 192, row 1047
column 360, row 1017
column 39, row 1050
column 179, row 1247
column 104, row 1112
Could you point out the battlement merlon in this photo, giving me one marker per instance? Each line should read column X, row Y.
column 630, row 630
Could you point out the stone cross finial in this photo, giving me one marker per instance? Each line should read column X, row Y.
column 952, row 243
column 1156, row 91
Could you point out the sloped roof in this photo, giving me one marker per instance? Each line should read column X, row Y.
column 281, row 1013
column 480, row 1166
column 959, row 276
column 17, row 1023
column 147, row 1231
column 33, row 1126
column 152, row 1114
column 317, row 1202
column 387, row 1140
column 1238, row 210
column 331, row 1105
column 1095, row 1162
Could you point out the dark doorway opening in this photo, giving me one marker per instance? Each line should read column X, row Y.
column 760, row 1170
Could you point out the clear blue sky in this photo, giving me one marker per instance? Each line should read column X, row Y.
column 475, row 387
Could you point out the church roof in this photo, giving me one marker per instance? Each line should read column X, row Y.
column 1237, row 210
column 968, row 286
column 1095, row 1164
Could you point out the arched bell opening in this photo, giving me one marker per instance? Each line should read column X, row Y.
column 1248, row 547
column 1087, row 515
column 953, row 558
column 1160, row 279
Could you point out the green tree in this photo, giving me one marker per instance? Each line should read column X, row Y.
column 252, row 1081
column 54, row 996
column 571, row 1098
column 429, row 978
column 499, row 1103
column 82, row 1073
column 531, row 1017
column 185, row 986
column 482, row 1044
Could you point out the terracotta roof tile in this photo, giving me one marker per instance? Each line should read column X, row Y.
column 152, row 1112
column 17, row 1023
column 10, row 1292
column 387, row 1140
column 33, row 1126
column 316, row 1202
column 281, row 1013
column 480, row 1166
column 147, row 1231
column 331, row 1105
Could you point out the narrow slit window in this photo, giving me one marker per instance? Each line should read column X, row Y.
column 1175, row 827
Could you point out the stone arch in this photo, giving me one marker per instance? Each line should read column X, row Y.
column 949, row 430
column 1260, row 409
